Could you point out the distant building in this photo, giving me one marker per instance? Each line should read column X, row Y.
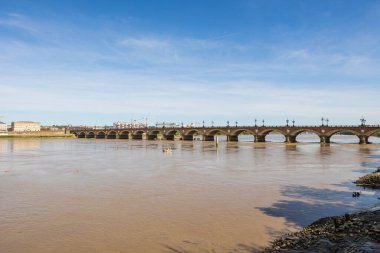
column 133, row 124
column 166, row 124
column 26, row 126
column 3, row 128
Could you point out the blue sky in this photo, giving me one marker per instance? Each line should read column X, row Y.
column 96, row 62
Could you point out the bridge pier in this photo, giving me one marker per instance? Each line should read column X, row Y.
column 325, row 139
column 208, row 137
column 363, row 139
column 259, row 138
column 290, row 139
column 233, row 138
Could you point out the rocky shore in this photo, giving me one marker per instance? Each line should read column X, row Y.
column 371, row 180
column 358, row 232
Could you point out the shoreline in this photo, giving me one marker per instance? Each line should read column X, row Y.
column 36, row 136
column 354, row 232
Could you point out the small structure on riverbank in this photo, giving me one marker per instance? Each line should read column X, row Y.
column 3, row 128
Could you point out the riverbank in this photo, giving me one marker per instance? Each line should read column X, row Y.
column 36, row 136
column 370, row 181
column 357, row 232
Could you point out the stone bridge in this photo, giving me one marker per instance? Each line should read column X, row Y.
column 363, row 132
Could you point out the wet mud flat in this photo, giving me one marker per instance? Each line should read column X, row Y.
column 357, row 232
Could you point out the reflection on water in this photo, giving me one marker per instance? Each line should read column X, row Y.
column 128, row 196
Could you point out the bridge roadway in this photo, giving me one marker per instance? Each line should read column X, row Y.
column 232, row 132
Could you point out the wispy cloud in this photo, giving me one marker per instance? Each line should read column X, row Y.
column 145, row 43
column 15, row 20
column 181, row 77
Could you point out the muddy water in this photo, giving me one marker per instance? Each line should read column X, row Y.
column 128, row 196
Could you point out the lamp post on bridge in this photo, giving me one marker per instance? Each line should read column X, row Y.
column 212, row 123
column 236, row 123
column 182, row 124
column 287, row 122
column 263, row 122
column 228, row 123
column 362, row 120
column 327, row 122
column 293, row 122
column 203, row 123
column 322, row 119
column 255, row 122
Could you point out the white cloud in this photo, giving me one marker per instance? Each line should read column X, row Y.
column 157, row 75
column 19, row 21
column 145, row 43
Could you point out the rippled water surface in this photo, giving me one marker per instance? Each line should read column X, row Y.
column 79, row 195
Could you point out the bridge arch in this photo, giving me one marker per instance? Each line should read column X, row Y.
column 101, row 135
column 373, row 132
column 90, row 135
column 172, row 133
column 188, row 135
column 214, row 132
column 193, row 132
column 81, row 135
column 374, row 136
column 240, row 131
column 298, row 135
column 333, row 132
column 153, row 134
column 138, row 135
column 266, row 135
column 112, row 135
column 345, row 137
column 124, row 135
column 248, row 135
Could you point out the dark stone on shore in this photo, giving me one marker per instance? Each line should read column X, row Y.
column 370, row 181
column 358, row 232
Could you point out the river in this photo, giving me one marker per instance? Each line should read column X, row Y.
column 86, row 195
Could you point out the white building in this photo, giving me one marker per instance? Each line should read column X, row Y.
column 26, row 126
column 167, row 124
column 3, row 128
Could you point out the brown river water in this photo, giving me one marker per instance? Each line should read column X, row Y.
column 116, row 196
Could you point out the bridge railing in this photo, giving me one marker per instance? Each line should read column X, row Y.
column 215, row 127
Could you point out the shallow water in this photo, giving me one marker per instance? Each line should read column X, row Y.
column 79, row 195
